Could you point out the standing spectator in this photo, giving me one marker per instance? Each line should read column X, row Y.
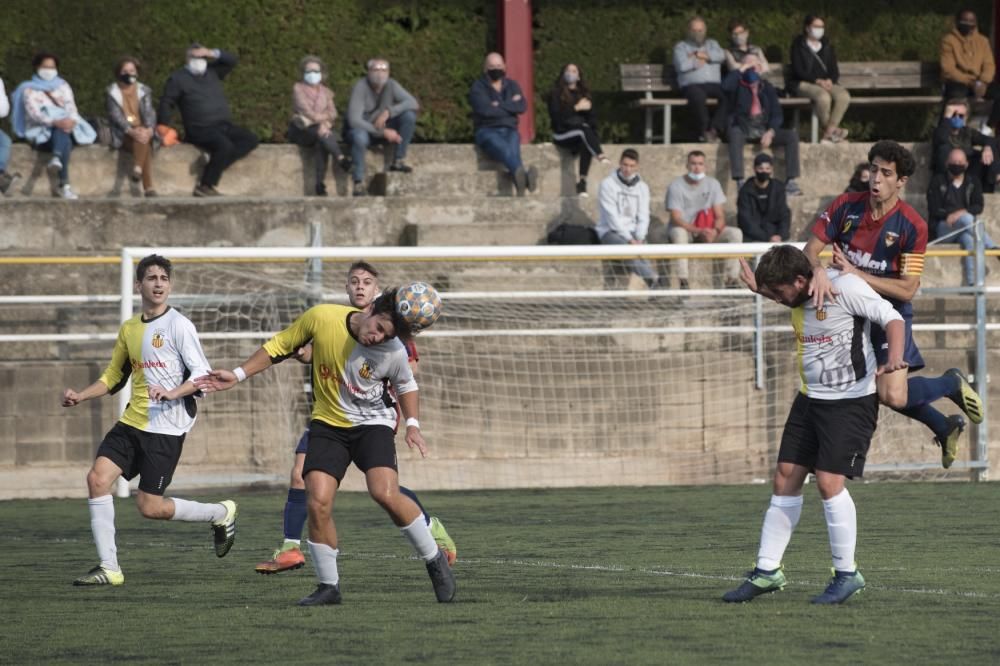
column 740, row 47
column 694, row 202
column 756, row 116
column 133, row 120
column 6, row 179
column 761, row 207
column 379, row 110
column 623, row 200
column 312, row 121
column 697, row 61
column 953, row 132
column 496, row 103
column 45, row 114
column 574, row 123
column 967, row 65
column 953, row 202
column 197, row 90
column 859, row 179
column 815, row 74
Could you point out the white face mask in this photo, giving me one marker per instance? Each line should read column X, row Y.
column 197, row 66
column 312, row 78
column 48, row 73
column 695, row 176
column 817, row 33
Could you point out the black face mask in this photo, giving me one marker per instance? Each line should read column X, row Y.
column 495, row 74
column 762, row 178
column 956, row 169
column 128, row 79
column 965, row 28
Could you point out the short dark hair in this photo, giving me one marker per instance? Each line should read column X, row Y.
column 385, row 304
column 153, row 260
column 809, row 20
column 958, row 14
column 890, row 151
column 630, row 153
column 781, row 265
column 125, row 60
column 41, row 57
column 694, row 153
column 737, row 23
column 362, row 265
column 957, row 101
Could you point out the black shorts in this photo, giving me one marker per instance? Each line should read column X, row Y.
column 332, row 449
column 151, row 456
column 830, row 435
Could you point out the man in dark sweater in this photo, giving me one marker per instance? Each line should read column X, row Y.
column 761, row 208
column 953, row 131
column 197, row 90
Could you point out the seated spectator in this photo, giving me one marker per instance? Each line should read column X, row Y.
column 815, row 74
column 859, row 179
column 697, row 61
column 755, row 115
column 953, row 132
column 45, row 114
column 6, row 179
column 197, row 90
column 623, row 202
column 740, row 47
column 574, row 123
column 496, row 103
column 694, row 202
column 133, row 120
column 953, row 202
column 379, row 110
column 967, row 65
column 761, row 207
column 313, row 115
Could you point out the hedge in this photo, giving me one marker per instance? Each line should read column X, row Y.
column 436, row 47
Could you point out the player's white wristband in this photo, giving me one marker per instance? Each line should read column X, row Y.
column 240, row 373
column 412, row 422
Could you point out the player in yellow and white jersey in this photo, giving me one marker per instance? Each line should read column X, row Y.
column 356, row 357
column 159, row 349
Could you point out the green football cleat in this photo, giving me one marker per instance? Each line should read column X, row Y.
column 842, row 586
column 757, row 583
column 949, row 445
column 224, row 531
column 966, row 397
column 101, row 576
column 443, row 541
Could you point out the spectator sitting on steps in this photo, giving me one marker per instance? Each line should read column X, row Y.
column 623, row 202
column 952, row 132
column 574, row 122
column 697, row 61
column 761, row 207
column 133, row 120
column 967, row 64
column 6, row 179
column 313, row 115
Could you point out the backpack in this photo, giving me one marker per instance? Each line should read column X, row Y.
column 572, row 234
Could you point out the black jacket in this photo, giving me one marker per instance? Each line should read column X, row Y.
column 201, row 99
column 564, row 117
column 945, row 139
column 763, row 213
column 481, row 97
column 809, row 65
column 941, row 204
column 739, row 97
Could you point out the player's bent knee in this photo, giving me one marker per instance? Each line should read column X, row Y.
column 96, row 485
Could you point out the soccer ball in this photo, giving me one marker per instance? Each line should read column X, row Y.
column 419, row 304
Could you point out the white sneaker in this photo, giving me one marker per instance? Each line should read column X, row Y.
column 55, row 166
column 66, row 192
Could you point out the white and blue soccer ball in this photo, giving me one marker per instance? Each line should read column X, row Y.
column 419, row 304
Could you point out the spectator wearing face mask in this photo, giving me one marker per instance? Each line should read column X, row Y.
column 196, row 89
column 313, row 115
column 859, row 179
column 761, row 206
column 6, row 179
column 623, row 203
column 815, row 74
column 967, row 65
column 574, row 123
column 980, row 150
column 133, row 120
column 380, row 109
column 740, row 47
column 697, row 61
column 496, row 103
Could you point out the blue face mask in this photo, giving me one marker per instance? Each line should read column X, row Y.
column 957, row 122
column 751, row 76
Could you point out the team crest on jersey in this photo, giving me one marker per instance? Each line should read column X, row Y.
column 820, row 315
column 890, row 238
column 158, row 338
column 367, row 370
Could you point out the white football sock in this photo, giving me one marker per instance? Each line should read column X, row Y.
column 842, row 525
column 779, row 522
column 325, row 561
column 102, row 524
column 419, row 536
column 196, row 512
column 297, row 542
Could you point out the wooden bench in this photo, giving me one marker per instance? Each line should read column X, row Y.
column 855, row 76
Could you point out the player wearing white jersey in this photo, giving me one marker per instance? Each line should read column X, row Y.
column 833, row 418
column 159, row 349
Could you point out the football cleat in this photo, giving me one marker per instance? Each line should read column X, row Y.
column 224, row 531
column 441, row 577
column 841, row 587
column 101, row 576
column 757, row 583
column 286, row 558
column 966, row 397
column 443, row 541
column 949, row 445
column 324, row 595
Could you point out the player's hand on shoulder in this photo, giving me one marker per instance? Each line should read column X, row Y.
column 217, row 380
column 841, row 262
column 70, row 398
column 416, row 440
column 821, row 289
column 159, row 394
column 893, row 365
column 746, row 275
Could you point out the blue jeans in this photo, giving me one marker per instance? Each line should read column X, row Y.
column 502, row 144
column 60, row 144
column 640, row 267
column 967, row 240
column 4, row 150
column 405, row 123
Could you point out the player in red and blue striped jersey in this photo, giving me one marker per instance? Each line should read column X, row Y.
column 882, row 239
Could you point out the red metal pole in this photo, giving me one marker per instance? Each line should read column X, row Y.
column 514, row 39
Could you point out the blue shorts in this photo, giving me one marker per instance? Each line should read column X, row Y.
column 911, row 354
column 303, row 445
